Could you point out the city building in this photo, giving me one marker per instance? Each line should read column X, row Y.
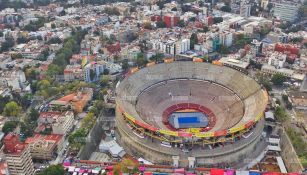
column 170, row 20
column 75, row 101
column 64, row 123
column 73, row 72
column 18, row 156
column 245, row 9
column 286, row 10
column 226, row 38
column 92, row 71
column 44, row 147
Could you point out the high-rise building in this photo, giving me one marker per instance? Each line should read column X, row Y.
column 226, row 38
column 182, row 46
column 287, row 11
column 18, row 156
column 245, row 9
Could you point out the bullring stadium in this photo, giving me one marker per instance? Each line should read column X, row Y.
column 189, row 113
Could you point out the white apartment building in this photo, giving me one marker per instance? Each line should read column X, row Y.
column 172, row 46
column 277, row 60
column 226, row 38
column 64, row 123
column 286, row 11
column 92, row 71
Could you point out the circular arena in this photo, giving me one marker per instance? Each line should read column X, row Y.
column 189, row 113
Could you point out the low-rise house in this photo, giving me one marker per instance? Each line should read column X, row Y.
column 44, row 147
column 56, row 122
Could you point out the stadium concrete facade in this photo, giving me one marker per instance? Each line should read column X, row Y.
column 233, row 102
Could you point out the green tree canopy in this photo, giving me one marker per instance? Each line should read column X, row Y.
column 140, row 60
column 280, row 114
column 104, row 80
column 33, row 115
column 88, row 121
column 217, row 20
column 53, row 26
column 9, row 126
column 161, row 24
column 181, row 23
column 226, row 8
column 193, row 40
column 125, row 65
column 11, row 109
column 278, row 79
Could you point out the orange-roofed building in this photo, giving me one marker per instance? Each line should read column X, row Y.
column 76, row 101
column 17, row 155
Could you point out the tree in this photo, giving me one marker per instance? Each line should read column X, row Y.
column 22, row 39
column 43, row 84
column 112, row 11
column 125, row 65
column 53, row 170
column 147, row 25
column 174, row 9
column 88, row 121
column 226, row 8
column 224, row 50
column 27, row 129
column 181, row 23
column 104, row 80
column 33, row 115
column 297, row 39
column 106, row 71
column 278, row 79
column 270, row 6
column 54, row 40
column 9, row 126
column 92, row 75
column 126, row 166
column 140, row 60
column 280, row 114
column 11, row 109
column 77, row 138
column 285, row 98
column 205, row 29
column 264, row 81
column 53, row 26
column 161, row 24
column 193, row 40
column 3, row 102
column 53, row 70
column 217, row 20
column 7, row 44
column 156, row 58
column 192, row 19
column 16, row 56
column 242, row 40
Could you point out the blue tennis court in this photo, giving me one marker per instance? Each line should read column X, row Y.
column 180, row 120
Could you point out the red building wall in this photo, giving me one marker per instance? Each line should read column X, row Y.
column 170, row 21
column 155, row 18
column 286, row 48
